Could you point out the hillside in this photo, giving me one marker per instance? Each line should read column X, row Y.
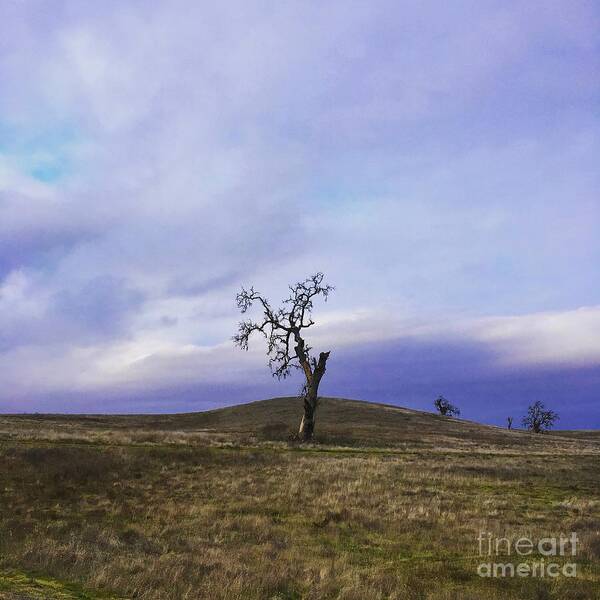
column 340, row 422
column 388, row 503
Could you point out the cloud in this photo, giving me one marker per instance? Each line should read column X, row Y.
column 551, row 338
column 31, row 314
column 548, row 338
column 438, row 163
column 565, row 339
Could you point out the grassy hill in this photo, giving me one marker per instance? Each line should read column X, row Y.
column 339, row 422
column 386, row 504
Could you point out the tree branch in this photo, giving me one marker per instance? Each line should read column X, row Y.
column 283, row 325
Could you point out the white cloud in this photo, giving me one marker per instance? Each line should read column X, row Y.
column 403, row 150
column 569, row 338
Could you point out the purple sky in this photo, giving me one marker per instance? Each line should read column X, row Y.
column 438, row 161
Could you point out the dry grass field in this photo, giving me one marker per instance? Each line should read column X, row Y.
column 387, row 503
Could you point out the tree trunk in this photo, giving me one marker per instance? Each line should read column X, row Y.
column 307, row 425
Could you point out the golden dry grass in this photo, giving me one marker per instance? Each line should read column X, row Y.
column 388, row 504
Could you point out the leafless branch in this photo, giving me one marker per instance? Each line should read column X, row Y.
column 282, row 327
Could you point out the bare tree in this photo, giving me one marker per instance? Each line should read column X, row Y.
column 445, row 408
column 283, row 328
column 509, row 422
column 539, row 419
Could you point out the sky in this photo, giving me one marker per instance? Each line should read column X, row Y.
column 437, row 161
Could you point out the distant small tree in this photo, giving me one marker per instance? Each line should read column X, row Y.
column 539, row 419
column 509, row 422
column 445, row 408
column 284, row 329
